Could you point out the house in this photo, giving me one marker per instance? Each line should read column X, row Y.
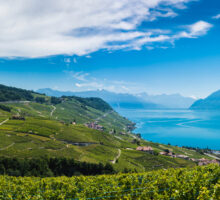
column 145, row 149
column 183, row 157
column 163, row 153
column 17, row 117
column 170, row 153
column 166, row 153
column 204, row 161
column 139, row 148
column 95, row 126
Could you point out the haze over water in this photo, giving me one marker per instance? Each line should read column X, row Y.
column 177, row 127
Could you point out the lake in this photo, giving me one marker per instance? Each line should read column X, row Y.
column 177, row 127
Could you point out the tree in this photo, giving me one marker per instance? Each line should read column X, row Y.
column 2, row 169
column 40, row 100
column 55, row 100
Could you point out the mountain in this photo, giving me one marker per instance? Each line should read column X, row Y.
column 142, row 100
column 116, row 100
column 169, row 100
column 212, row 102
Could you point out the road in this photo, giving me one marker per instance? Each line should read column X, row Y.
column 5, row 102
column 54, row 108
column 212, row 156
column 4, row 122
column 103, row 116
column 7, row 147
column 117, row 157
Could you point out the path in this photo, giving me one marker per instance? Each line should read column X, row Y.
column 117, row 157
column 5, row 102
column 4, row 122
column 212, row 156
column 54, row 108
column 7, row 147
column 103, row 116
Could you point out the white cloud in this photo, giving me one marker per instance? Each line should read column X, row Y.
column 193, row 31
column 80, row 76
column 67, row 60
column 50, row 27
column 216, row 16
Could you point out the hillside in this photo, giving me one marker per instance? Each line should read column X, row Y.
column 55, row 128
column 212, row 102
column 14, row 94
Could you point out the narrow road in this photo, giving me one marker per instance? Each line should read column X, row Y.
column 212, row 156
column 7, row 147
column 54, row 108
column 117, row 157
column 4, row 122
column 103, row 116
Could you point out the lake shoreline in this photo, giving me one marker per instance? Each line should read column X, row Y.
column 180, row 127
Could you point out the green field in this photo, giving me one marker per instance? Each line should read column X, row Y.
column 36, row 137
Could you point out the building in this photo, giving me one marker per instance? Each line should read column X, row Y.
column 145, row 149
column 163, row 153
column 17, row 117
column 204, row 161
column 95, row 126
column 183, row 157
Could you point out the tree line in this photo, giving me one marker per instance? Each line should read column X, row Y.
column 14, row 94
column 51, row 167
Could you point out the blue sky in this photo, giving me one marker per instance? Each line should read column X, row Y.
column 132, row 46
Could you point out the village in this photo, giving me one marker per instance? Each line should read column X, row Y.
column 200, row 162
column 149, row 149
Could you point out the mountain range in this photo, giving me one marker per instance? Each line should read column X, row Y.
column 124, row 100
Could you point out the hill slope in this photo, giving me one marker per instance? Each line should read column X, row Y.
column 29, row 129
column 14, row 94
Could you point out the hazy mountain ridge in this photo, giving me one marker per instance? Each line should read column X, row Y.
column 169, row 100
column 123, row 100
column 212, row 102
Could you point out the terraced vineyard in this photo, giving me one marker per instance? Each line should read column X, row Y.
column 47, row 130
column 197, row 183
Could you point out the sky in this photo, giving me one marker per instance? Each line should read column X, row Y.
column 126, row 46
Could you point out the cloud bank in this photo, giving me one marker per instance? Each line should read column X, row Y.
column 216, row 16
column 51, row 27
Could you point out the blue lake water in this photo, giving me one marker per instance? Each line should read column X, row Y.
column 177, row 127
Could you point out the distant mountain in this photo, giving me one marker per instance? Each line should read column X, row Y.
column 169, row 101
column 212, row 102
column 139, row 101
column 114, row 99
